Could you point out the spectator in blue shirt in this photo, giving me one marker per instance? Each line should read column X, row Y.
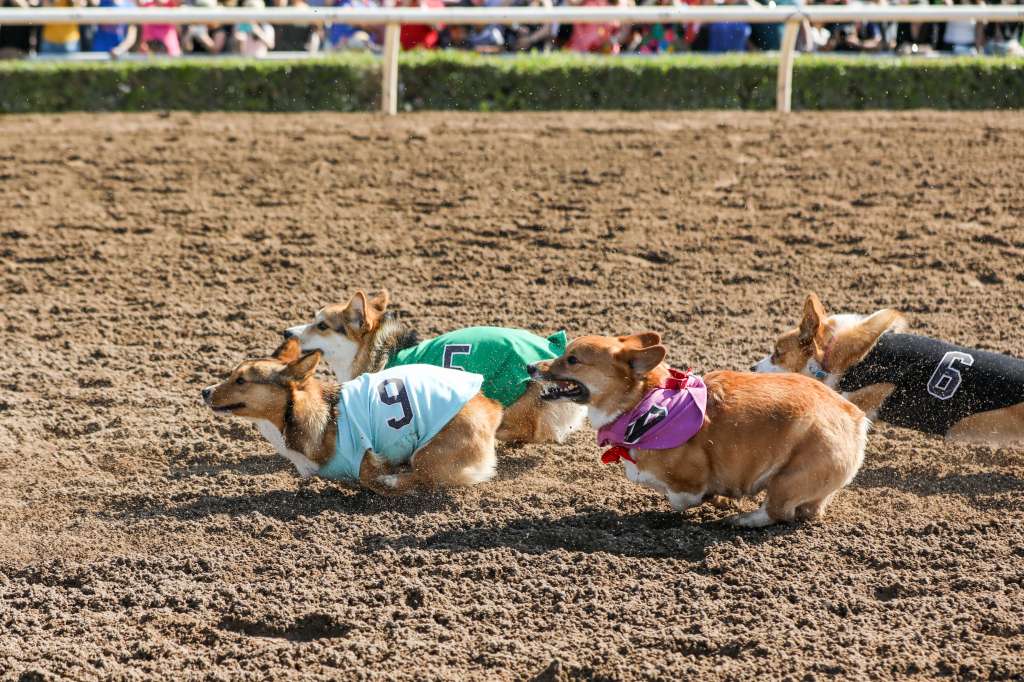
column 726, row 36
column 115, row 39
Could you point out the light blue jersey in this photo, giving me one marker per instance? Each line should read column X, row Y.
column 395, row 413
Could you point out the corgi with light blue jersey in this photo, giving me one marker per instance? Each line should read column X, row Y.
column 415, row 426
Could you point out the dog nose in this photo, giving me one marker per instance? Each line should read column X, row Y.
column 753, row 368
column 207, row 393
column 287, row 334
column 532, row 371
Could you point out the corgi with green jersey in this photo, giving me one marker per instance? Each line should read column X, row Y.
column 360, row 336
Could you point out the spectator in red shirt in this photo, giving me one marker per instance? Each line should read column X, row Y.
column 420, row 35
column 607, row 38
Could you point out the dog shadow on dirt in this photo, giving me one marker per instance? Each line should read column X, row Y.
column 985, row 491
column 280, row 504
column 310, row 499
column 649, row 534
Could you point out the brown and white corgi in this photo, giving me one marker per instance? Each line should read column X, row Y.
column 908, row 380
column 361, row 336
column 785, row 434
column 374, row 430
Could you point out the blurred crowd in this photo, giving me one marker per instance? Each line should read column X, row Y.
column 259, row 39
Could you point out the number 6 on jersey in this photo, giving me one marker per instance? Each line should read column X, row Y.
column 946, row 378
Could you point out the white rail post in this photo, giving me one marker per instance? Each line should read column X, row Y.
column 784, row 85
column 389, row 67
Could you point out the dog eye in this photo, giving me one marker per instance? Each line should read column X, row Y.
column 239, row 381
column 572, row 360
column 322, row 326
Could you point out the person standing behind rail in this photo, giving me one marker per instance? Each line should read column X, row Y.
column 160, row 39
column 962, row 37
column 254, row 39
column 18, row 41
column 768, row 37
column 206, row 38
column 59, row 39
column 295, row 37
column 114, row 39
column 1003, row 39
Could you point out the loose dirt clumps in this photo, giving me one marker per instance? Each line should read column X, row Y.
column 142, row 256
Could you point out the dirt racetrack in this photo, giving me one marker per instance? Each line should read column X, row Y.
column 143, row 256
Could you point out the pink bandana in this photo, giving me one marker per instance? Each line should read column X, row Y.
column 666, row 417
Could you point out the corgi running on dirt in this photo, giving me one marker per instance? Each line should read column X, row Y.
column 917, row 382
column 392, row 431
column 728, row 433
column 359, row 336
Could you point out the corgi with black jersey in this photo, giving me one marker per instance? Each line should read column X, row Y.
column 918, row 382
column 935, row 384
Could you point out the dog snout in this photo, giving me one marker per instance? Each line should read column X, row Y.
column 287, row 334
column 753, row 367
column 208, row 394
column 537, row 369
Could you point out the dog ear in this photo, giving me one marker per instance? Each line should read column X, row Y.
column 287, row 351
column 814, row 318
column 642, row 340
column 302, row 368
column 362, row 311
column 643, row 360
column 380, row 301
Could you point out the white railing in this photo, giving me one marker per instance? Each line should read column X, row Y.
column 392, row 18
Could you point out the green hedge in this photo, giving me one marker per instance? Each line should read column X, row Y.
column 464, row 81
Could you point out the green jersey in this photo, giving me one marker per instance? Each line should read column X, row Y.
column 500, row 355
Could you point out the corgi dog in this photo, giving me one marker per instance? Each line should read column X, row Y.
column 728, row 433
column 393, row 431
column 964, row 394
column 361, row 336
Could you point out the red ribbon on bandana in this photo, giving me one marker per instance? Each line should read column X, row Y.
column 613, row 455
column 676, row 380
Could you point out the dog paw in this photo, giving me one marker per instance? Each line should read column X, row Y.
column 390, row 480
column 723, row 503
column 754, row 519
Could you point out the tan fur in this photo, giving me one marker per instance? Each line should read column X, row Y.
column 531, row 420
column 783, row 433
column 266, row 386
column 528, row 420
column 462, row 453
column 837, row 350
column 851, row 346
column 995, row 427
column 817, row 338
column 870, row 398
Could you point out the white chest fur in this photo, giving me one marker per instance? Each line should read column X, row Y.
column 678, row 500
column 340, row 354
column 598, row 418
column 303, row 464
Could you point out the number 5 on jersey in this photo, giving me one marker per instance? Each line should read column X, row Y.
column 453, row 349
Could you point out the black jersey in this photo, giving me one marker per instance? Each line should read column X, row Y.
column 936, row 383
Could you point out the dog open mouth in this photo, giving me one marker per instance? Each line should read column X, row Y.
column 564, row 389
column 228, row 408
